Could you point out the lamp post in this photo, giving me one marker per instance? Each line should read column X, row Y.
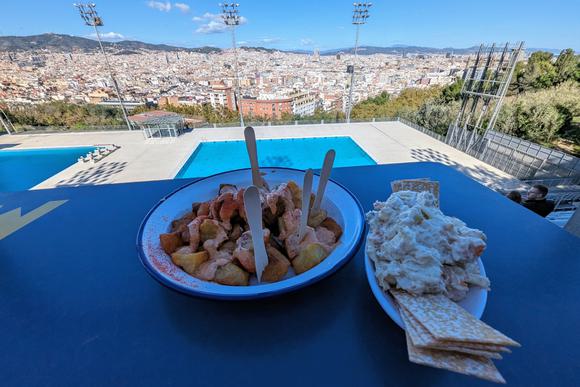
column 91, row 18
column 231, row 17
column 360, row 14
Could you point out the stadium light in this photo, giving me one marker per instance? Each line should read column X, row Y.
column 231, row 18
column 360, row 15
column 89, row 15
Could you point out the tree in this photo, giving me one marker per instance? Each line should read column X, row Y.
column 540, row 73
column 437, row 116
column 541, row 115
column 566, row 66
column 452, row 92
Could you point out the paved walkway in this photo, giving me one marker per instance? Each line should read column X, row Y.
column 156, row 159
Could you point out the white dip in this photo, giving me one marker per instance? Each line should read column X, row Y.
column 417, row 248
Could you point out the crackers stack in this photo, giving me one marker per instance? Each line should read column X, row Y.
column 417, row 185
column 442, row 334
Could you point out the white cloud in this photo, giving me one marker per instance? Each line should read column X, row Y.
column 213, row 23
column 306, row 42
column 243, row 42
column 182, row 7
column 159, row 5
column 109, row 36
column 269, row 40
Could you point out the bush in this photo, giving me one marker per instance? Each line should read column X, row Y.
column 437, row 116
column 541, row 115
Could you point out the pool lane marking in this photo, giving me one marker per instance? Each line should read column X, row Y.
column 13, row 220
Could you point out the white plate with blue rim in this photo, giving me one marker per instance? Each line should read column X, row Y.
column 338, row 201
column 474, row 302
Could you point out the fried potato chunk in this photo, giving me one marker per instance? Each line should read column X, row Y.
column 232, row 275
column 277, row 266
column 296, row 193
column 315, row 218
column 188, row 260
column 331, row 225
column 170, row 242
column 310, row 256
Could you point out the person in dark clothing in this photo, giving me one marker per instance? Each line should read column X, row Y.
column 515, row 196
column 537, row 202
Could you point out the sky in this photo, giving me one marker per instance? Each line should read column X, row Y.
column 310, row 24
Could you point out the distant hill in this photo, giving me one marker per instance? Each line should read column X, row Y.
column 68, row 43
column 400, row 49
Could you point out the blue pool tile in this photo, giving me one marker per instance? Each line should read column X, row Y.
column 301, row 153
column 22, row 169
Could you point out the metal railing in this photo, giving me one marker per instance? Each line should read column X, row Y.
column 526, row 160
column 422, row 129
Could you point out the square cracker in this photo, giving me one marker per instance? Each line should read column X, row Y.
column 445, row 320
column 417, row 185
column 478, row 366
column 424, row 339
column 421, row 338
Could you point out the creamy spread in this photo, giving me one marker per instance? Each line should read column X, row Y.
column 415, row 247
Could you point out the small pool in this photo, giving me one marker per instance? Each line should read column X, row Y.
column 22, row 169
column 301, row 153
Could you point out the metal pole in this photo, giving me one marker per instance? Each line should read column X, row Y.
column 237, row 95
column 349, row 110
column 117, row 90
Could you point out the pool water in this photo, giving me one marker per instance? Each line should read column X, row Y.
column 301, row 153
column 25, row 168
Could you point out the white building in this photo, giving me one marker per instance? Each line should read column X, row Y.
column 304, row 104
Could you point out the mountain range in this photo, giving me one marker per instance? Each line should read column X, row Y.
column 68, row 43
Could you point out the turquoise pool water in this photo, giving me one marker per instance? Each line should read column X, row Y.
column 301, row 153
column 23, row 169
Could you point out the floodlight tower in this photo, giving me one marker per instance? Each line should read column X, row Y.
column 89, row 14
column 231, row 18
column 360, row 14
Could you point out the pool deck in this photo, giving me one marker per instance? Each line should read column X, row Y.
column 139, row 159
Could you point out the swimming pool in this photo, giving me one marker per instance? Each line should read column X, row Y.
column 301, row 153
column 22, row 169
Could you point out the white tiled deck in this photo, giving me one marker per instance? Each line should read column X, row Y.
column 141, row 160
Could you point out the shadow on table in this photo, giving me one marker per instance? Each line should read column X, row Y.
column 98, row 174
column 385, row 340
column 485, row 176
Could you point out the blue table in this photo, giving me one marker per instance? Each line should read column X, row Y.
column 77, row 308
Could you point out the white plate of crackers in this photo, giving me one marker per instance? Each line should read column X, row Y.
column 439, row 332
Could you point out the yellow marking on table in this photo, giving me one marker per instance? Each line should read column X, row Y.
column 13, row 220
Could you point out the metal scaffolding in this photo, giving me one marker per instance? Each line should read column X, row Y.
column 485, row 83
column 5, row 122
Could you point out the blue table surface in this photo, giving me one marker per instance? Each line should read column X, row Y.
column 77, row 308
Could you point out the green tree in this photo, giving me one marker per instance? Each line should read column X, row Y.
column 437, row 116
column 566, row 66
column 541, row 115
column 452, row 92
column 540, row 73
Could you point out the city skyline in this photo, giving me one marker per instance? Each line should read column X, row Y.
column 299, row 25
